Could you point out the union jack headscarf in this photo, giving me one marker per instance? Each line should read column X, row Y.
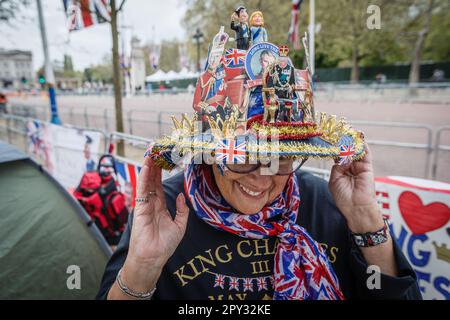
column 302, row 270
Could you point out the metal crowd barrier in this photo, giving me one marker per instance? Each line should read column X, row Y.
column 423, row 146
column 432, row 150
column 114, row 136
column 23, row 132
column 437, row 148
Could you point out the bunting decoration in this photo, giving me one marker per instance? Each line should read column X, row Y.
column 85, row 13
column 294, row 36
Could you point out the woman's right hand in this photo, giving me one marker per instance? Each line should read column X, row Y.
column 154, row 234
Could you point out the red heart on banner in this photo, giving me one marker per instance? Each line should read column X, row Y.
column 420, row 218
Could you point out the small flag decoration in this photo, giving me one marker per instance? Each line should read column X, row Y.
column 85, row 13
column 294, row 36
column 231, row 151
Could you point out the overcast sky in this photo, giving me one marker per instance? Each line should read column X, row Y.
column 89, row 46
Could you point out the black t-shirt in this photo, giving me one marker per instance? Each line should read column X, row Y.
column 217, row 265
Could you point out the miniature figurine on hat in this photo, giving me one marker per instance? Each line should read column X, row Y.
column 271, row 117
column 280, row 76
column 239, row 23
column 258, row 32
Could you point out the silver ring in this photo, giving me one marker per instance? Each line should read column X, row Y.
column 140, row 200
column 152, row 193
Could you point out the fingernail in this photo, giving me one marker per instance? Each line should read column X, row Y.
column 180, row 200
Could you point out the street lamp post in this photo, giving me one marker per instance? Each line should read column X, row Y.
column 49, row 75
column 198, row 37
column 312, row 30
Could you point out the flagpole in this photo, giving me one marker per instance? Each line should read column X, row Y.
column 312, row 23
column 49, row 75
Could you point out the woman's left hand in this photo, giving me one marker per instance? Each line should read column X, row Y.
column 353, row 189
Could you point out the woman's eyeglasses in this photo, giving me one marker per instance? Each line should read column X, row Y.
column 281, row 167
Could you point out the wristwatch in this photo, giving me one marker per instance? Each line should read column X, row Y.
column 372, row 239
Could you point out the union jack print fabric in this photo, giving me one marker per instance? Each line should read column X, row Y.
column 301, row 269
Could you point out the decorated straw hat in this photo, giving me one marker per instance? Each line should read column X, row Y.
column 252, row 104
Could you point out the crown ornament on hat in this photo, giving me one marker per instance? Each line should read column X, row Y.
column 283, row 50
column 252, row 96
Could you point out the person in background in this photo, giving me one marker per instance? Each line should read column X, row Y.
column 3, row 102
column 438, row 75
column 90, row 163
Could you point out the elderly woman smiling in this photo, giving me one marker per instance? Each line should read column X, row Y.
column 243, row 228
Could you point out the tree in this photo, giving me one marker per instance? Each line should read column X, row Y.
column 170, row 56
column 209, row 15
column 116, row 72
column 418, row 25
column 437, row 44
column 68, row 64
column 345, row 34
column 9, row 9
column 101, row 72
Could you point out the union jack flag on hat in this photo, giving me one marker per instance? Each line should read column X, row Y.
column 231, row 151
column 347, row 150
column 235, row 58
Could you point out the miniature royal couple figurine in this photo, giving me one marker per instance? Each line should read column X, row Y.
column 248, row 35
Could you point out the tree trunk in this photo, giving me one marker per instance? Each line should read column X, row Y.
column 355, row 64
column 117, row 78
column 414, row 72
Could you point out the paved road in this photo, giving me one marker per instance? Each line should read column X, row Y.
column 387, row 160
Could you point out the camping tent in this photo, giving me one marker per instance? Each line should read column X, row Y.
column 48, row 248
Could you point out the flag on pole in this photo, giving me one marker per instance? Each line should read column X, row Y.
column 294, row 37
column 85, row 13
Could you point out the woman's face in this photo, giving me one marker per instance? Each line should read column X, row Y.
column 249, row 193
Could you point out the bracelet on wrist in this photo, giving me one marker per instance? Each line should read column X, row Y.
column 131, row 293
column 372, row 239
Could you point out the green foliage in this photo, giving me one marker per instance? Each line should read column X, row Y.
column 68, row 64
column 10, row 9
column 437, row 46
column 170, row 56
column 100, row 72
column 343, row 33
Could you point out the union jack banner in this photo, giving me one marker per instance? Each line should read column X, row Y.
column 219, row 281
column 231, row 151
column 383, row 201
column 346, row 154
column 85, row 13
column 235, row 58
